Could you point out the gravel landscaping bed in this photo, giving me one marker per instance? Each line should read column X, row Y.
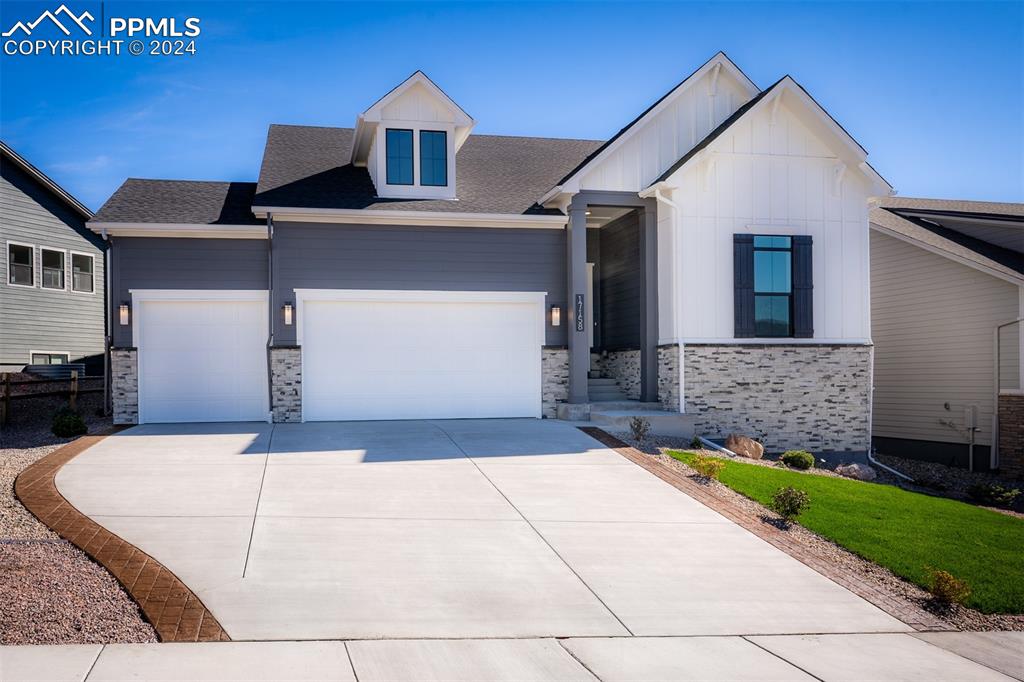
column 953, row 482
column 957, row 617
column 52, row 592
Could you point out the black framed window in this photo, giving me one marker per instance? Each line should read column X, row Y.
column 82, row 273
column 773, row 286
column 20, row 266
column 433, row 158
column 53, row 268
column 398, row 149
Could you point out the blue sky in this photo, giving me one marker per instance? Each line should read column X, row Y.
column 933, row 90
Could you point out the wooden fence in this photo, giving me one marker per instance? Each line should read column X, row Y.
column 71, row 392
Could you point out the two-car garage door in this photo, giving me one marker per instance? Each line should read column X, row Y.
column 365, row 355
column 417, row 355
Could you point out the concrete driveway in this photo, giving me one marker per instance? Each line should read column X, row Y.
column 442, row 529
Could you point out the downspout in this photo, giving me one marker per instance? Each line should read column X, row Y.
column 270, row 315
column 108, row 319
column 994, row 447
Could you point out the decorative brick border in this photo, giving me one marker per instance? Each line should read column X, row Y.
column 175, row 612
column 915, row 617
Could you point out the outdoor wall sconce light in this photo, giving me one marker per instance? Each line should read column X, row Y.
column 288, row 310
column 122, row 313
column 556, row 316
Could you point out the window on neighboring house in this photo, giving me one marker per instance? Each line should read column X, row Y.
column 433, row 158
column 53, row 268
column 773, row 286
column 20, row 266
column 82, row 273
column 49, row 358
column 399, row 156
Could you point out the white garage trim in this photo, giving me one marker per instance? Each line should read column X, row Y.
column 141, row 296
column 412, row 296
column 525, row 327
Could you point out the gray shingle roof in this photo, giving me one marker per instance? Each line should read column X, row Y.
column 192, row 202
column 308, row 167
column 946, row 240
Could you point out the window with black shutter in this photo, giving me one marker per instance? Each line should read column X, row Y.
column 773, row 286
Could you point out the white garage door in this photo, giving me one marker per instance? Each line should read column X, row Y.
column 435, row 356
column 202, row 361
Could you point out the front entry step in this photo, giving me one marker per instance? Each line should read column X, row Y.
column 603, row 389
column 616, row 415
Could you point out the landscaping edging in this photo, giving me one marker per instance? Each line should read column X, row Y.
column 914, row 616
column 171, row 607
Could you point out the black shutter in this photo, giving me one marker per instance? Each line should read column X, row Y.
column 743, row 284
column 803, row 289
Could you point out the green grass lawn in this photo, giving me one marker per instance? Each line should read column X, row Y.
column 903, row 531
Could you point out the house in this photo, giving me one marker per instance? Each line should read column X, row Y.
column 52, row 287
column 947, row 284
column 711, row 259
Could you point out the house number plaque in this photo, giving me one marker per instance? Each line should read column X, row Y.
column 579, row 313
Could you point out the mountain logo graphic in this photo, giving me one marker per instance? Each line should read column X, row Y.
column 69, row 16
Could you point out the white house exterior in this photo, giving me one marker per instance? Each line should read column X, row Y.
column 711, row 258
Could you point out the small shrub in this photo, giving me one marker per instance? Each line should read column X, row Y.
column 931, row 482
column 798, row 459
column 707, row 466
column 640, row 428
column 946, row 588
column 789, row 503
column 696, row 443
column 993, row 495
column 67, row 423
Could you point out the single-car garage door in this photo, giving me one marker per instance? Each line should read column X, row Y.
column 420, row 355
column 201, row 360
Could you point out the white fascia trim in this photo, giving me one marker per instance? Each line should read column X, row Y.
column 190, row 230
column 720, row 60
column 303, row 296
column 1018, row 280
column 413, row 218
column 769, row 342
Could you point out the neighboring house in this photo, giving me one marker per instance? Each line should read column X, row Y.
column 944, row 276
column 710, row 258
column 51, row 284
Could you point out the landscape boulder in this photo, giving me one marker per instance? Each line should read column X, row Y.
column 744, row 447
column 860, row 472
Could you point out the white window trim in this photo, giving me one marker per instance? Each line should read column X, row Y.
column 49, row 352
column 71, row 271
column 415, row 190
column 7, row 255
column 302, row 296
column 65, row 259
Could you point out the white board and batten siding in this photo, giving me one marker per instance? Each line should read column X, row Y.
column 933, row 321
column 770, row 178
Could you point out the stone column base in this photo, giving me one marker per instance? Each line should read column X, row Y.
column 286, row 384
column 124, row 385
column 554, row 364
column 668, row 376
column 1011, row 435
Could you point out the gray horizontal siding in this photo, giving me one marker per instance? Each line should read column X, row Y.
column 932, row 322
column 410, row 258
column 38, row 319
column 620, row 283
column 160, row 263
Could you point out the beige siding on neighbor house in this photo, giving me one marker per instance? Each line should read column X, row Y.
column 932, row 324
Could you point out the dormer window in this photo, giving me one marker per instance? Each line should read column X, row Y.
column 433, row 158
column 399, row 156
column 409, row 140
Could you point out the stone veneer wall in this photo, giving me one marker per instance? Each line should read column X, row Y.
column 624, row 367
column 813, row 397
column 668, row 376
column 286, row 384
column 554, row 364
column 1011, row 435
column 124, row 385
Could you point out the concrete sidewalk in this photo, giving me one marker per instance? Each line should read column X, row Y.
column 837, row 658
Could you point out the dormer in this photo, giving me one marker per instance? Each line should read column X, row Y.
column 408, row 141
